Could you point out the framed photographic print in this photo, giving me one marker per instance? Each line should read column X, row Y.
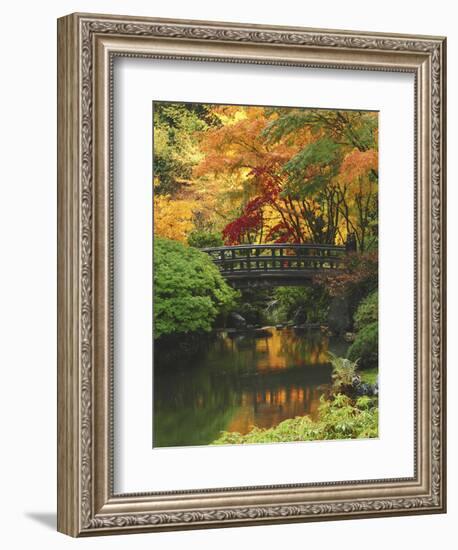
column 251, row 281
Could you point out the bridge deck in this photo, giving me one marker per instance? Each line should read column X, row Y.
column 281, row 262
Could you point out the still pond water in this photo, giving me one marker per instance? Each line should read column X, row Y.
column 236, row 381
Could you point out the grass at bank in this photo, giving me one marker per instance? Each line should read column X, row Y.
column 338, row 418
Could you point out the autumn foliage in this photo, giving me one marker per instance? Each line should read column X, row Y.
column 266, row 174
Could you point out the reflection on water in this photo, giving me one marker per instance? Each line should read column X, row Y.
column 237, row 381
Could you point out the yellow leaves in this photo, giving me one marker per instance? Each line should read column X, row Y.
column 173, row 218
column 357, row 164
column 160, row 139
column 229, row 114
column 239, row 145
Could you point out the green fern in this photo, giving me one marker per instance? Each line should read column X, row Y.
column 344, row 371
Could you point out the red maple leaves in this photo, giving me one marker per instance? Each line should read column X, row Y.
column 251, row 219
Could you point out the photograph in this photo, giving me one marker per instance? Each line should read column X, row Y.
column 265, row 274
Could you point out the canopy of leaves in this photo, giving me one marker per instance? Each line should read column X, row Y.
column 267, row 174
column 321, row 152
column 175, row 148
column 356, row 129
column 173, row 218
column 189, row 291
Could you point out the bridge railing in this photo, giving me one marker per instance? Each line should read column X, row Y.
column 276, row 257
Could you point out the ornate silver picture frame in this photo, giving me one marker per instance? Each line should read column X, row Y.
column 87, row 47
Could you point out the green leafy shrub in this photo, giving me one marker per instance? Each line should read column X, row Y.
column 365, row 347
column 253, row 304
column 367, row 311
column 189, row 291
column 314, row 301
column 204, row 239
column 339, row 418
column 252, row 313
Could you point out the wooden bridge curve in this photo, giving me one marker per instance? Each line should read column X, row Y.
column 275, row 264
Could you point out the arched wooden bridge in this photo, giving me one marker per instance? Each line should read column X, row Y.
column 276, row 264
